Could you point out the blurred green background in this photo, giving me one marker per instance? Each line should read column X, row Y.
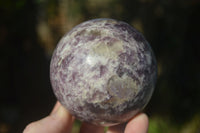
column 30, row 30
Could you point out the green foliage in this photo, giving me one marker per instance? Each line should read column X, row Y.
column 160, row 125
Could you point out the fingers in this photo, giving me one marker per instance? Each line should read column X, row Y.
column 138, row 124
column 88, row 128
column 59, row 121
column 116, row 129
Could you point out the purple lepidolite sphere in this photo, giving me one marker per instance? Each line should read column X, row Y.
column 103, row 71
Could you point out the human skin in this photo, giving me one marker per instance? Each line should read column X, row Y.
column 61, row 121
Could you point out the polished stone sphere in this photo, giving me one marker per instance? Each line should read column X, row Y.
column 103, row 71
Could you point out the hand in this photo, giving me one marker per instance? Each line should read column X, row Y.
column 60, row 121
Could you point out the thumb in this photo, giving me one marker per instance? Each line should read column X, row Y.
column 59, row 121
column 139, row 124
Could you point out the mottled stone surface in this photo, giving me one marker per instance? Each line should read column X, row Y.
column 103, row 71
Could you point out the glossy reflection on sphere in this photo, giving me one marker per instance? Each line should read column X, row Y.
column 103, row 71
